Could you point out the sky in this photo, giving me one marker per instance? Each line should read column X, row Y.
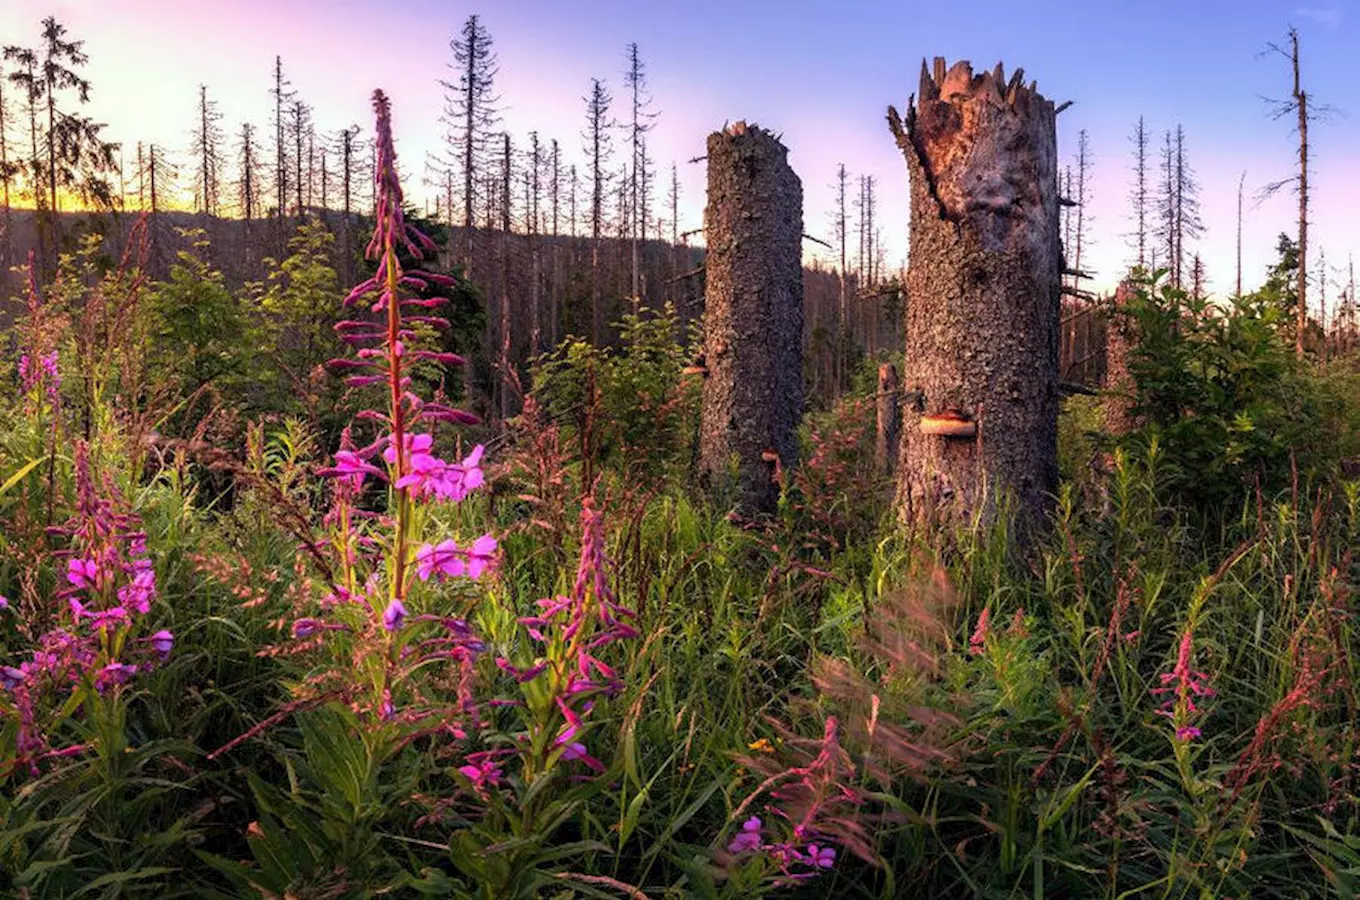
column 820, row 73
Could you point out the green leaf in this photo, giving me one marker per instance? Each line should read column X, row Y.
column 19, row 475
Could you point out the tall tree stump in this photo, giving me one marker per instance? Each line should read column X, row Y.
column 753, row 317
column 982, row 330
column 1119, row 343
column 889, row 417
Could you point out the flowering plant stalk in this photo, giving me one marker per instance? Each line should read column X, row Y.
column 367, row 615
column 77, row 672
column 560, row 679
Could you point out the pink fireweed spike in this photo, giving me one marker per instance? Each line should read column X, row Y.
column 1183, row 684
column 978, row 642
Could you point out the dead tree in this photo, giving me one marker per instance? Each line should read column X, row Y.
column 983, row 276
column 1138, row 193
column 753, row 322
column 889, row 417
column 1297, row 104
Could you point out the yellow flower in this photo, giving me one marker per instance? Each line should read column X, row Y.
column 760, row 746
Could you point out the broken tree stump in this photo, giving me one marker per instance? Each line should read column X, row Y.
column 753, row 318
column 1119, row 386
column 984, row 275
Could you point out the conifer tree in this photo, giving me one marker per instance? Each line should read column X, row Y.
column 73, row 156
column 283, row 96
column 598, row 150
column 470, row 115
column 1138, row 193
column 207, row 152
column 640, row 123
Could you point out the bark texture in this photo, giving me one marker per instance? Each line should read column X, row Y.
column 753, row 317
column 889, row 417
column 982, row 324
column 1119, row 343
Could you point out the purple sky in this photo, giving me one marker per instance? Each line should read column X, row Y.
column 820, row 73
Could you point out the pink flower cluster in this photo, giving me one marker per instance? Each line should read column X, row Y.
column 109, row 583
column 1183, row 684
column 819, row 804
column 44, row 375
column 795, row 862
column 573, row 630
column 447, row 560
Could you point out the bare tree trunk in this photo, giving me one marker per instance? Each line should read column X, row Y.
column 889, row 417
column 753, row 323
column 982, row 328
column 506, row 345
column 1241, row 183
column 1301, row 102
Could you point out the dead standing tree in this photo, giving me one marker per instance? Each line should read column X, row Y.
column 753, row 321
column 982, row 328
column 1120, row 342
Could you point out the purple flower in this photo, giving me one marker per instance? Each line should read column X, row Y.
column 748, row 840
column 483, row 770
column 352, row 467
column 82, row 573
column 439, row 560
column 394, row 615
column 481, row 555
column 306, row 627
column 520, row 675
column 576, row 751
column 821, row 857
column 1187, row 733
column 163, row 641
column 138, row 593
column 11, row 678
column 4, row 602
column 114, row 673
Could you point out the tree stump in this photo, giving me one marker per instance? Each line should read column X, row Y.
column 982, row 330
column 889, row 418
column 1119, row 386
column 753, row 317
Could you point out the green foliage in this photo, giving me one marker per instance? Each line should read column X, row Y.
column 198, row 328
column 632, row 404
column 1048, row 769
column 300, row 302
column 1221, row 390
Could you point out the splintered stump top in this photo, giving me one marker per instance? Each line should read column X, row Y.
column 984, row 280
column 981, row 139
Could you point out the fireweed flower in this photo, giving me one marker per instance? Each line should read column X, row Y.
column 380, row 555
column 11, row 678
column 82, row 573
column 818, row 803
column 748, row 840
column 394, row 615
column 1181, row 686
column 110, row 583
column 163, row 642
column 447, row 560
